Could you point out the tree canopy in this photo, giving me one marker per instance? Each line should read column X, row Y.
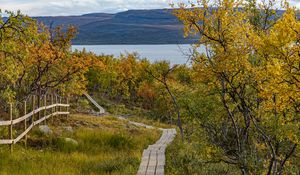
column 37, row 59
column 252, row 63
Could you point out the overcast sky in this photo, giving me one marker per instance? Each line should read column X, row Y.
column 78, row 7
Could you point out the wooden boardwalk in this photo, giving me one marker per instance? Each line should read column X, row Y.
column 153, row 159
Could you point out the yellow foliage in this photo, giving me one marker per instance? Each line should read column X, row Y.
column 252, row 60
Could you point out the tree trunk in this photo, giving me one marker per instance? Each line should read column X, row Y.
column 176, row 106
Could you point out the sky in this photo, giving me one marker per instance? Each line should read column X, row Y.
column 78, row 7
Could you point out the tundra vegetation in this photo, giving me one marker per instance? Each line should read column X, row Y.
column 236, row 105
column 103, row 146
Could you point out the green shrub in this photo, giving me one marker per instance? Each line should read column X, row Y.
column 64, row 146
column 3, row 132
column 36, row 132
column 84, row 103
column 191, row 158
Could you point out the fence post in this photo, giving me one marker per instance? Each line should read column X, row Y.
column 25, row 122
column 33, row 108
column 59, row 106
column 39, row 105
column 56, row 101
column 45, row 110
column 53, row 108
column 67, row 107
column 11, row 127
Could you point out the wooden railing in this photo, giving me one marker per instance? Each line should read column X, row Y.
column 55, row 107
column 101, row 109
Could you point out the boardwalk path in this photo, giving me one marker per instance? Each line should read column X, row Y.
column 153, row 159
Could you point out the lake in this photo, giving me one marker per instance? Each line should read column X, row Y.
column 176, row 54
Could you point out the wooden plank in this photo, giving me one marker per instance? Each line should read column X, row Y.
column 18, row 120
column 144, row 162
column 151, row 170
column 142, row 170
column 160, row 170
column 6, row 141
column 48, row 116
column 161, row 160
column 5, row 123
column 153, row 159
column 63, row 105
column 39, row 121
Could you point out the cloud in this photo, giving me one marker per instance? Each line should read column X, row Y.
column 78, row 7
column 295, row 3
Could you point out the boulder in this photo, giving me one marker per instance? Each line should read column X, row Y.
column 71, row 141
column 45, row 129
column 68, row 129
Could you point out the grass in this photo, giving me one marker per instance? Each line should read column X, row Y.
column 105, row 145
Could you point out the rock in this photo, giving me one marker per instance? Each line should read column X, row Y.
column 45, row 129
column 69, row 129
column 71, row 141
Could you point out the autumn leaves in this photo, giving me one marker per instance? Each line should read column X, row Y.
column 252, row 60
column 36, row 59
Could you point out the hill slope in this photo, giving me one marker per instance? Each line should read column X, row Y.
column 129, row 27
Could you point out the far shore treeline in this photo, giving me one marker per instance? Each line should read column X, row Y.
column 236, row 107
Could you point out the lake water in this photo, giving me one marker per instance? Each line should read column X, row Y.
column 176, row 54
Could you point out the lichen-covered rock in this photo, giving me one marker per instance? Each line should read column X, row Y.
column 71, row 141
column 45, row 129
column 69, row 129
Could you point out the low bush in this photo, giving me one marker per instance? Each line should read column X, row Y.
column 64, row 145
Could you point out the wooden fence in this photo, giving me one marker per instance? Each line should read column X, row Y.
column 49, row 106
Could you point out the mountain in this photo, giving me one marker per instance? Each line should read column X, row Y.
column 129, row 27
column 157, row 26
